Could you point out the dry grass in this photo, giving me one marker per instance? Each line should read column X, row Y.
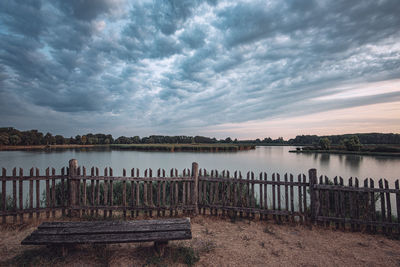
column 218, row 242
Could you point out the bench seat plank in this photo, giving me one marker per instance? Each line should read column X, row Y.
column 110, row 223
column 106, row 238
column 123, row 228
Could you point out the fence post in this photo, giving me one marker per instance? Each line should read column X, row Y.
column 195, row 175
column 73, row 187
column 312, row 174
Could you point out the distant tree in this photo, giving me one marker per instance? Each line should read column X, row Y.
column 59, row 140
column 352, row 143
column 228, row 140
column 4, row 139
column 83, row 140
column 324, row 143
column 15, row 140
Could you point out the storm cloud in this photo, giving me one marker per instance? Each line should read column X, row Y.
column 173, row 67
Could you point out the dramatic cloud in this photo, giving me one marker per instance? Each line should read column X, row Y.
column 188, row 67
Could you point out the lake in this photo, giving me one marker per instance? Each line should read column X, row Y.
column 267, row 159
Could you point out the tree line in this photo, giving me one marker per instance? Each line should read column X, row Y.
column 12, row 136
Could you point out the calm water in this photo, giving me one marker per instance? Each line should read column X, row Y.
column 268, row 159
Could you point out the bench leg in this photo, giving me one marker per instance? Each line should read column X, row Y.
column 59, row 249
column 160, row 247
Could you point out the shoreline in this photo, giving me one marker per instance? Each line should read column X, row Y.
column 44, row 147
column 340, row 152
column 143, row 147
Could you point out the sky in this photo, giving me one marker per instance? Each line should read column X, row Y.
column 244, row 69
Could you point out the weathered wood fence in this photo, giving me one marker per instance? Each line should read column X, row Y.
column 301, row 198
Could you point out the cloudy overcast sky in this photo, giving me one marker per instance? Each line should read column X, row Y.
column 244, row 69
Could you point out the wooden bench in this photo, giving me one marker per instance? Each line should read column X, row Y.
column 66, row 234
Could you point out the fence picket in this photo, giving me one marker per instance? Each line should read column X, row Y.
column 398, row 205
column 383, row 208
column 31, row 172
column 273, row 197
column 37, row 194
column 3, row 195
column 14, row 183
column 351, row 203
column 372, row 206
column 265, row 195
column 105, row 193
column 299, row 192
column 48, row 192
column 389, row 207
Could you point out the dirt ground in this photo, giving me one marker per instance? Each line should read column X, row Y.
column 218, row 242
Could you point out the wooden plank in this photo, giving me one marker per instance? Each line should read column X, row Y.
column 252, row 197
column 241, row 193
column 151, row 192
column 176, row 195
column 37, row 194
column 4, row 194
column 327, row 205
column 342, row 207
column 164, row 196
column 107, row 238
column 286, row 195
column 383, row 208
column 351, row 203
column 124, row 194
column 398, row 205
column 372, row 205
column 14, row 174
column 105, row 193
column 145, row 191
column 389, row 208
column 53, row 193
column 299, row 192
column 336, row 196
column 247, row 203
column 278, row 177
column 357, row 204
column 366, row 209
column 260, row 177
column 265, row 195
column 305, row 197
column 48, row 197
column 84, row 193
column 273, row 196
column 97, row 192
column 92, row 189
column 62, row 192
column 235, row 193
column 31, row 174
column 138, row 223
column 21, row 194
column 292, row 198
column 138, row 204
column 171, row 193
column 111, row 192
column 321, row 198
column 158, row 193
column 113, row 229
column 216, row 192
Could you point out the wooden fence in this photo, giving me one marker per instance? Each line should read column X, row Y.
column 301, row 198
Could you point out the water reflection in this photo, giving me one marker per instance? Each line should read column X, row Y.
column 324, row 159
column 353, row 162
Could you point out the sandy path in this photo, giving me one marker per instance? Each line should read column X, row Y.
column 220, row 242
